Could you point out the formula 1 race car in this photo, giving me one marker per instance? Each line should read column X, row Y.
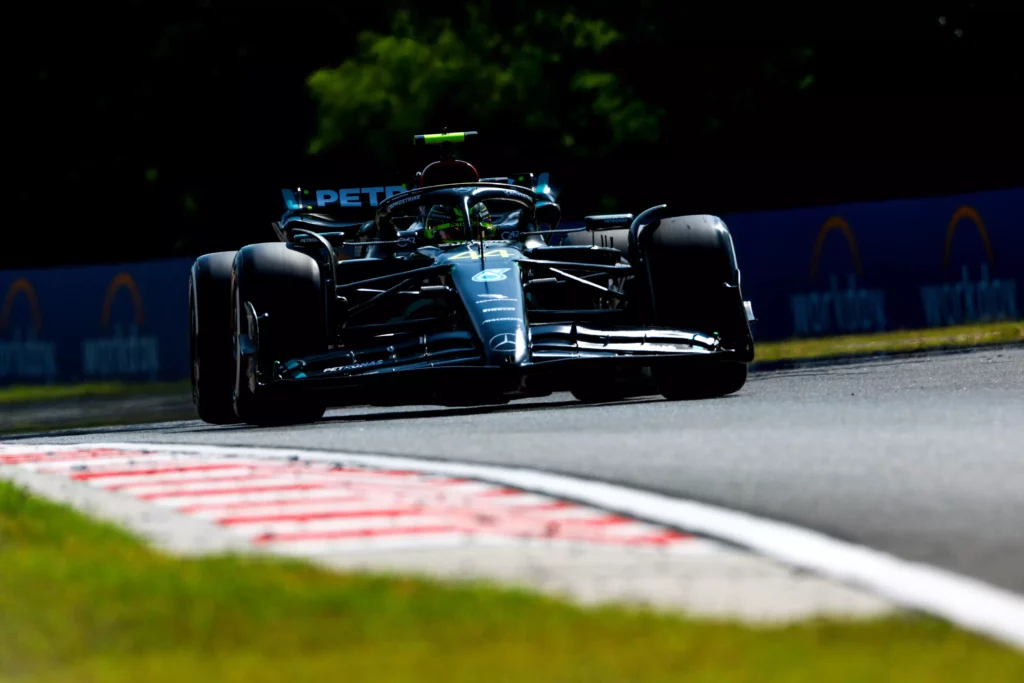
column 456, row 294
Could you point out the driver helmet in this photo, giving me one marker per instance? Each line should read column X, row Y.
column 447, row 224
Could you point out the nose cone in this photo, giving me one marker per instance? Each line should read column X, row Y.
column 507, row 348
column 492, row 293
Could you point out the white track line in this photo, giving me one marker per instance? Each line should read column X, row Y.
column 967, row 602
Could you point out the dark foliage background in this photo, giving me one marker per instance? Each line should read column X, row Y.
column 145, row 130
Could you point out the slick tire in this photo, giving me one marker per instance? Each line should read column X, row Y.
column 694, row 284
column 210, row 338
column 285, row 285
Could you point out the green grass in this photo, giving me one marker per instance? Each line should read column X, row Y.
column 57, row 392
column 898, row 341
column 84, row 601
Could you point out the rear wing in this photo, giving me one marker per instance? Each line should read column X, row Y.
column 334, row 210
column 336, row 201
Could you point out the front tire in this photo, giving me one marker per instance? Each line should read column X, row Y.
column 284, row 284
column 695, row 285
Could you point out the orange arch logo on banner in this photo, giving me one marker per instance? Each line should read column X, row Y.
column 124, row 353
column 833, row 309
column 23, row 287
column 836, row 223
column 122, row 281
column 967, row 214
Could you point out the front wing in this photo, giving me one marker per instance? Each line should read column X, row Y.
column 454, row 361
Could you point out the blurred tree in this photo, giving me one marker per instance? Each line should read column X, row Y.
column 538, row 80
column 168, row 133
column 577, row 88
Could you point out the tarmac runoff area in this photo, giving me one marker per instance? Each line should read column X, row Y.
column 357, row 512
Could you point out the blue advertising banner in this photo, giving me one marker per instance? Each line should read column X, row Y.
column 900, row 264
column 855, row 268
column 95, row 323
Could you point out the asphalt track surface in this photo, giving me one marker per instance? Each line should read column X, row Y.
column 920, row 457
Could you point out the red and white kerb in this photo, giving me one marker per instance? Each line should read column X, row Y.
column 301, row 506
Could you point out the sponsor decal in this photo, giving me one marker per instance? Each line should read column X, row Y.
column 854, row 309
column 347, row 197
column 493, row 298
column 496, row 320
column 851, row 310
column 968, row 301
column 506, row 341
column 475, row 255
column 125, row 352
column 507, row 192
column 503, row 308
column 300, row 238
column 23, row 356
column 354, row 366
column 406, row 200
column 611, row 218
column 510, row 235
column 491, row 275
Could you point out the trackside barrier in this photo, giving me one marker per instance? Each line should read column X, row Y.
column 855, row 268
column 95, row 323
column 901, row 264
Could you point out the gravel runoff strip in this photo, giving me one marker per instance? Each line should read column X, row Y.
column 194, row 501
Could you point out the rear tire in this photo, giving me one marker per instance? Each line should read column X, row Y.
column 285, row 285
column 210, row 334
column 695, row 285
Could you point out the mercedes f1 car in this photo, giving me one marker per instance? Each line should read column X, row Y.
column 462, row 291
